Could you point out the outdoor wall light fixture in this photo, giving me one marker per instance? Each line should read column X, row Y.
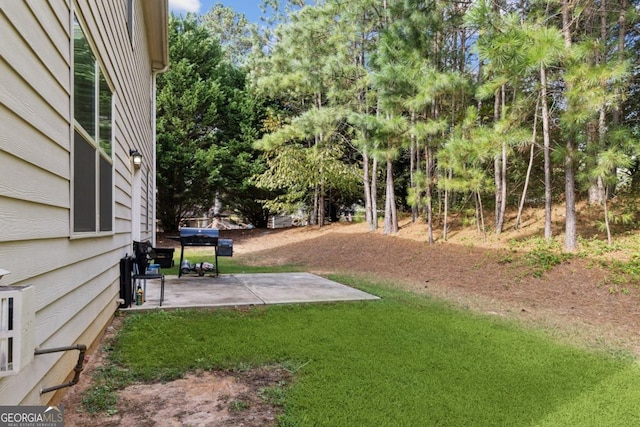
column 136, row 157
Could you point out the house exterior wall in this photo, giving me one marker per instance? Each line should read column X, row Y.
column 75, row 275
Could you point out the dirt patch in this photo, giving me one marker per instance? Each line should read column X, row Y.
column 571, row 301
column 218, row 398
column 201, row 399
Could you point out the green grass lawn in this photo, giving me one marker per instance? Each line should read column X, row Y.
column 404, row 360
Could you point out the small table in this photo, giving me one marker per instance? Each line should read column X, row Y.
column 144, row 278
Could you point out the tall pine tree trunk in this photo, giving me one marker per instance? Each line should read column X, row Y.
column 597, row 190
column 606, row 220
column 445, row 227
column 390, row 211
column 616, row 115
column 413, row 168
column 313, row 219
column 370, row 190
column 368, row 211
column 570, row 237
column 503, row 189
column 547, row 153
column 529, row 167
column 497, row 165
column 500, row 164
column 321, row 206
column 374, row 194
column 503, row 172
column 480, row 213
column 319, row 141
column 429, row 204
column 622, row 34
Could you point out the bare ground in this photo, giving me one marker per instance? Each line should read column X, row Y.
column 574, row 302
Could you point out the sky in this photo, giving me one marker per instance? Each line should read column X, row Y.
column 250, row 8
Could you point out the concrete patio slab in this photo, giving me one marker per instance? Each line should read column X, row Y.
column 231, row 290
column 286, row 288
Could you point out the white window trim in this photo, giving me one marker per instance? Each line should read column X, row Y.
column 76, row 127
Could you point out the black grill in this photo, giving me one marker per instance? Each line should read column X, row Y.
column 203, row 237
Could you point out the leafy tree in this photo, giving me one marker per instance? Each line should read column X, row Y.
column 298, row 74
column 206, row 122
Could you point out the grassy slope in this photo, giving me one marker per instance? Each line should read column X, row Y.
column 404, row 360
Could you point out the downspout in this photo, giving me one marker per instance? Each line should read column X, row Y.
column 153, row 158
column 78, row 368
column 160, row 12
column 154, row 190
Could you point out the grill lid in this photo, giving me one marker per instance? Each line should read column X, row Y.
column 190, row 236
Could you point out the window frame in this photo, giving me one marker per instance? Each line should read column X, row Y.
column 131, row 4
column 104, row 184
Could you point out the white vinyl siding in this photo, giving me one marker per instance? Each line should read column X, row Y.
column 75, row 279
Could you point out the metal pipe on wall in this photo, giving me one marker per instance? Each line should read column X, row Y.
column 77, row 369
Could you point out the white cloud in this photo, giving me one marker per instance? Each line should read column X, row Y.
column 185, row 5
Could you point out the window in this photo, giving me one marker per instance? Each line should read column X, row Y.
column 130, row 7
column 92, row 140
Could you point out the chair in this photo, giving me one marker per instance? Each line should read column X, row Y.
column 142, row 253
